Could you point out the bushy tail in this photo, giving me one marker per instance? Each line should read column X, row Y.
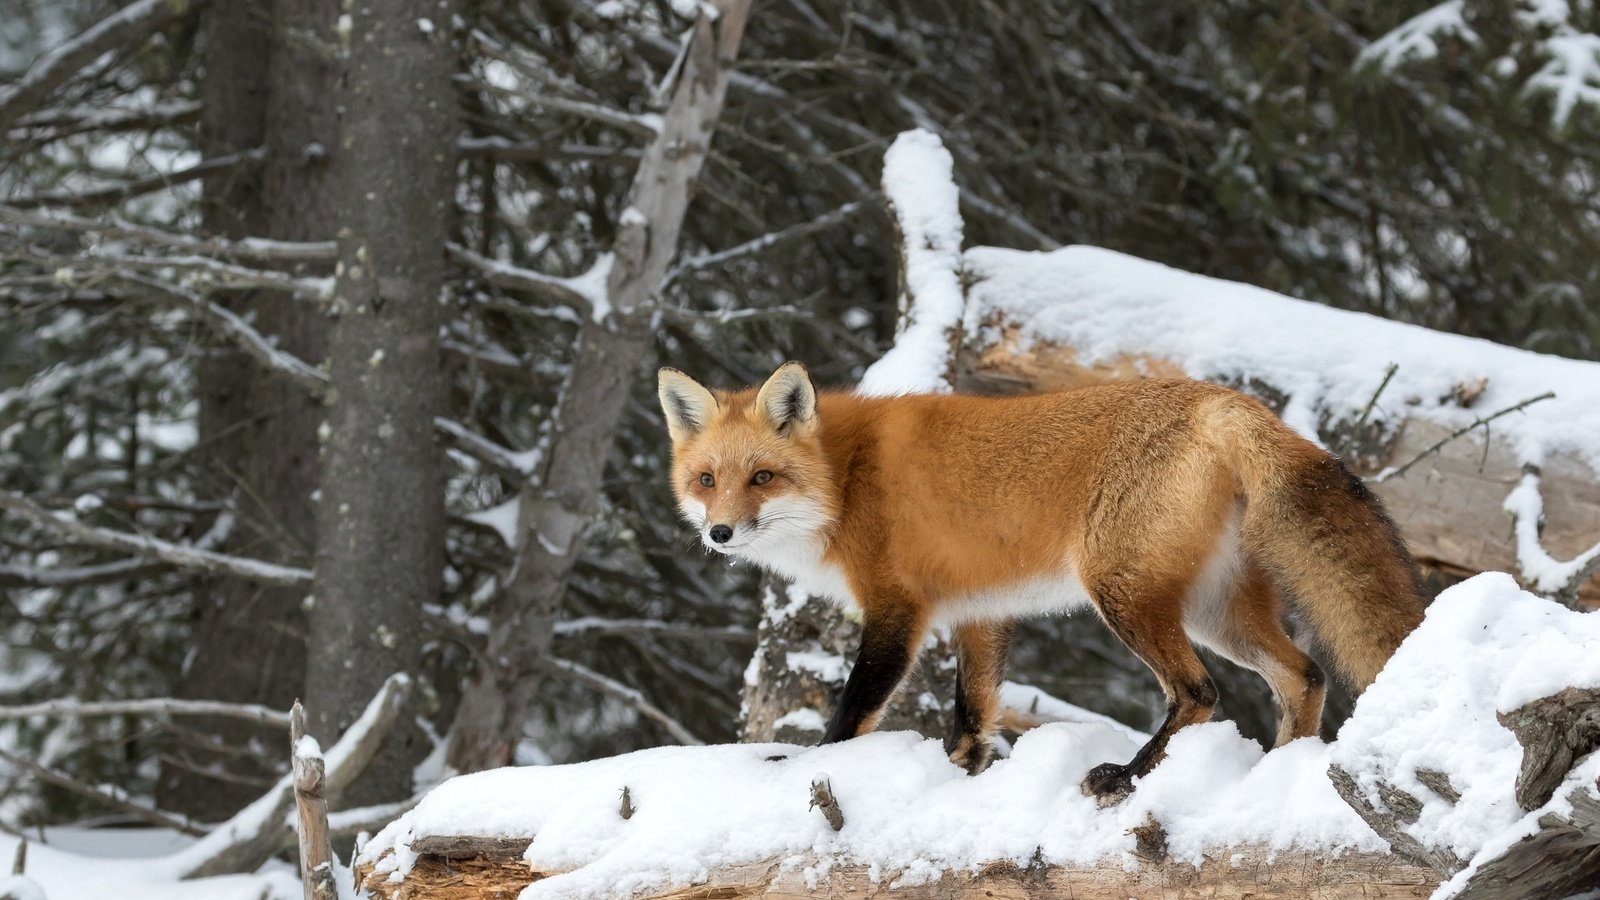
column 1325, row 541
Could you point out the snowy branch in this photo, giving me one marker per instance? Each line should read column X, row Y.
column 166, row 551
column 577, row 293
column 1543, row 572
column 258, row 831
column 204, row 272
column 162, row 706
column 125, row 27
column 502, row 459
column 77, row 576
column 78, row 119
column 620, row 691
column 111, row 796
column 115, row 226
column 600, row 627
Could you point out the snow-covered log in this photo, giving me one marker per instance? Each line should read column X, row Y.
column 470, row 871
column 1080, row 315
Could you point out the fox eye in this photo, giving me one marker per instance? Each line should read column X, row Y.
column 761, row 477
column 706, row 479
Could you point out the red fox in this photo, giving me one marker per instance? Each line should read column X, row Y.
column 1181, row 511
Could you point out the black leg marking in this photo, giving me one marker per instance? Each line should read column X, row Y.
column 890, row 639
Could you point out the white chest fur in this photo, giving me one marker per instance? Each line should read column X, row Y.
column 799, row 561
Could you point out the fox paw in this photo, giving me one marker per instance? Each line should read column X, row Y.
column 971, row 753
column 1108, row 783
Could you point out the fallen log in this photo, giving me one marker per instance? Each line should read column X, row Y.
column 493, row 869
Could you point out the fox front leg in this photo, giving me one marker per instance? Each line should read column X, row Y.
column 891, row 635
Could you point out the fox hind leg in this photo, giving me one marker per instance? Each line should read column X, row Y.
column 1146, row 614
column 981, row 651
column 1250, row 633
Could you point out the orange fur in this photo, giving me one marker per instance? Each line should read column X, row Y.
column 1178, row 509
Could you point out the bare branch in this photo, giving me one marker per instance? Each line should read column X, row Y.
column 56, row 124
column 129, row 25
column 205, row 272
column 502, row 149
column 111, row 796
column 620, row 691
column 78, row 576
column 175, row 554
column 123, row 190
column 767, row 241
column 1479, row 422
column 161, row 706
column 246, row 248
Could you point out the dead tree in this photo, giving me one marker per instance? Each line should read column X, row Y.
column 560, row 501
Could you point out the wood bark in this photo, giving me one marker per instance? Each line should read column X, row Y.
column 481, row 870
column 612, row 346
column 1561, row 859
column 1395, row 810
column 257, row 431
column 380, row 519
column 1449, row 507
column 1554, row 732
column 311, row 811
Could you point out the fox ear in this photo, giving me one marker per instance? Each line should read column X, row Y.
column 687, row 404
column 788, row 399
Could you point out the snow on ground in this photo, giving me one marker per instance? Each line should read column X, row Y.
column 1485, row 646
column 82, row 864
column 1106, row 304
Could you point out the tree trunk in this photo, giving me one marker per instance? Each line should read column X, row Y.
column 612, row 346
column 381, row 515
column 257, row 430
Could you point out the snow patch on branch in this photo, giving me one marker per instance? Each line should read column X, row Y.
column 919, row 180
column 1543, row 572
column 1113, row 308
column 1418, row 37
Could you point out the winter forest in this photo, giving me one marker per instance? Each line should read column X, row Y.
column 332, row 465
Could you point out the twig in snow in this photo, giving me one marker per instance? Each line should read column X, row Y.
column 19, row 861
column 158, row 706
column 627, row 809
column 822, row 798
column 129, row 25
column 1389, row 473
column 176, row 554
column 1541, row 571
column 1372, row 402
column 624, row 693
column 111, row 796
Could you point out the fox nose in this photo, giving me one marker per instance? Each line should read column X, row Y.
column 721, row 534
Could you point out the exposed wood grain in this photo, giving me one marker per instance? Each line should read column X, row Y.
column 311, row 811
column 1248, row 872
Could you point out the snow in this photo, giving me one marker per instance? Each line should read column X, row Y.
column 1418, row 37
column 1571, row 75
column 1544, row 572
column 1485, row 647
column 1106, row 304
column 918, row 178
column 907, row 809
column 803, row 720
column 502, row 518
column 105, row 863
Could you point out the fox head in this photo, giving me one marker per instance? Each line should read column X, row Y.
column 747, row 466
